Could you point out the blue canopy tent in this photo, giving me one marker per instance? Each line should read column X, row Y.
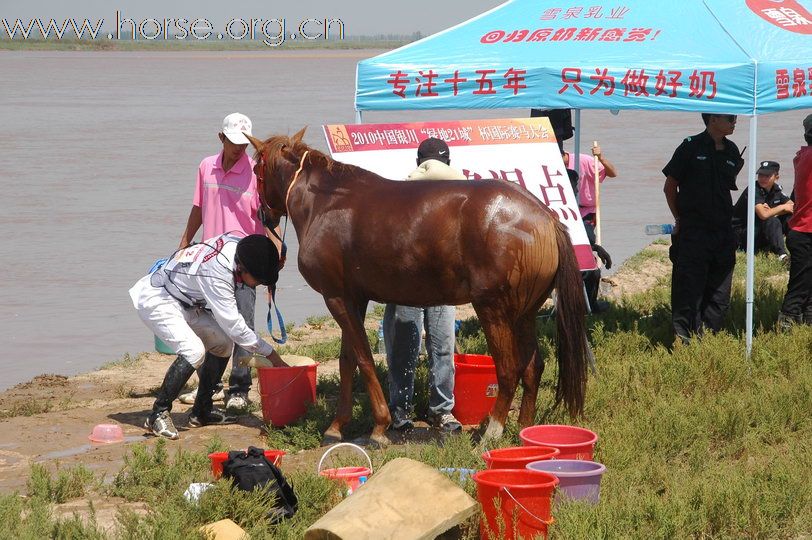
column 746, row 57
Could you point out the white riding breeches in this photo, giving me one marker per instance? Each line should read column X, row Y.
column 190, row 333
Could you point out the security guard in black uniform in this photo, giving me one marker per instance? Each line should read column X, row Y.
column 699, row 178
column 773, row 210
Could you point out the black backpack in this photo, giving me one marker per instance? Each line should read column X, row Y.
column 251, row 470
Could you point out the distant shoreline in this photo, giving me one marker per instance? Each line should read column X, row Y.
column 185, row 45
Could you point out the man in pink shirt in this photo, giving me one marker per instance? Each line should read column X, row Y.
column 226, row 200
column 586, row 187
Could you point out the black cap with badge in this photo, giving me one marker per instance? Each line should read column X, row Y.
column 768, row 167
column 433, row 148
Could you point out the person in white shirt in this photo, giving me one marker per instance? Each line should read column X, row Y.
column 190, row 304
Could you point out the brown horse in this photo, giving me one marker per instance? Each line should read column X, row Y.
column 491, row 243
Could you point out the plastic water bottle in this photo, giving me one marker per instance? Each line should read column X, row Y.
column 665, row 228
column 381, row 345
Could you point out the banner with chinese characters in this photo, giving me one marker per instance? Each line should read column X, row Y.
column 726, row 56
column 522, row 150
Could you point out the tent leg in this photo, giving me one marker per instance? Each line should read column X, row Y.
column 358, row 119
column 576, row 154
column 751, row 212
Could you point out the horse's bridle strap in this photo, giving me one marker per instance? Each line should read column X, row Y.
column 295, row 177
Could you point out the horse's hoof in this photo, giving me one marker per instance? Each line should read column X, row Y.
column 331, row 438
column 490, row 434
column 378, row 442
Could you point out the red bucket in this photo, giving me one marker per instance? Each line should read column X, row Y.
column 523, row 510
column 574, row 442
column 517, row 457
column 218, row 458
column 286, row 392
column 350, row 476
column 475, row 387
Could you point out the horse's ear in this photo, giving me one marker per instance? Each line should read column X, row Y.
column 299, row 135
column 256, row 143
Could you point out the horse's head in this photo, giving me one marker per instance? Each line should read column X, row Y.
column 276, row 160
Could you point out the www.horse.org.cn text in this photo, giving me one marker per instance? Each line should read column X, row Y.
column 273, row 32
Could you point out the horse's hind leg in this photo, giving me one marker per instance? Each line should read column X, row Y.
column 503, row 346
column 529, row 348
column 354, row 339
column 346, row 364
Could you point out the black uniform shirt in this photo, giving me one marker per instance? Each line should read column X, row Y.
column 774, row 197
column 705, row 177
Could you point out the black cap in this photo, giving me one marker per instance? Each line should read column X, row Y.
column 808, row 124
column 433, row 148
column 768, row 167
column 258, row 256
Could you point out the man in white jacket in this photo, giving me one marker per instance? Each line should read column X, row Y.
column 190, row 304
column 403, row 325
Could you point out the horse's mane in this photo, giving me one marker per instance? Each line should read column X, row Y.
column 274, row 148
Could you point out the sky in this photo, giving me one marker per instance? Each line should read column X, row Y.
column 360, row 17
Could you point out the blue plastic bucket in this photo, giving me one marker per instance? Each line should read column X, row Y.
column 162, row 347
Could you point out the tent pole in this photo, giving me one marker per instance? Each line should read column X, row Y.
column 751, row 227
column 576, row 154
column 358, row 119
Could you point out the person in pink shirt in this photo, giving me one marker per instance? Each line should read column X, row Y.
column 586, row 187
column 226, row 200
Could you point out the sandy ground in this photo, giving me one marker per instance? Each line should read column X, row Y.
column 67, row 408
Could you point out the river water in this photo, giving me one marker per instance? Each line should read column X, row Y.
column 99, row 158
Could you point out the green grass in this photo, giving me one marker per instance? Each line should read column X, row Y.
column 126, row 361
column 317, row 322
column 698, row 441
column 69, row 484
column 27, row 408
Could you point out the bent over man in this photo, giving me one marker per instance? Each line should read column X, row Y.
column 190, row 303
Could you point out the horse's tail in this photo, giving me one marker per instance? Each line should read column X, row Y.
column 573, row 348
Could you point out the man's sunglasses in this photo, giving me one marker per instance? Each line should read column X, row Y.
column 729, row 117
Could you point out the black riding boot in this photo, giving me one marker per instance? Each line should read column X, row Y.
column 786, row 320
column 159, row 421
column 203, row 411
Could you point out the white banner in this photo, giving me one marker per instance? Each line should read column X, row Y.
column 520, row 150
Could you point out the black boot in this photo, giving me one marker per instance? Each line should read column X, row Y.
column 808, row 313
column 159, row 422
column 787, row 320
column 203, row 412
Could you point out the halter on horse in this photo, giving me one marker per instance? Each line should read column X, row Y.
column 490, row 243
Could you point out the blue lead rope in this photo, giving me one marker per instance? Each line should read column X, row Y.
column 283, row 337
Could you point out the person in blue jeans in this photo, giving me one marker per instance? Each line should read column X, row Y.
column 403, row 326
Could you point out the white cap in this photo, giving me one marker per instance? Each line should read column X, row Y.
column 236, row 126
